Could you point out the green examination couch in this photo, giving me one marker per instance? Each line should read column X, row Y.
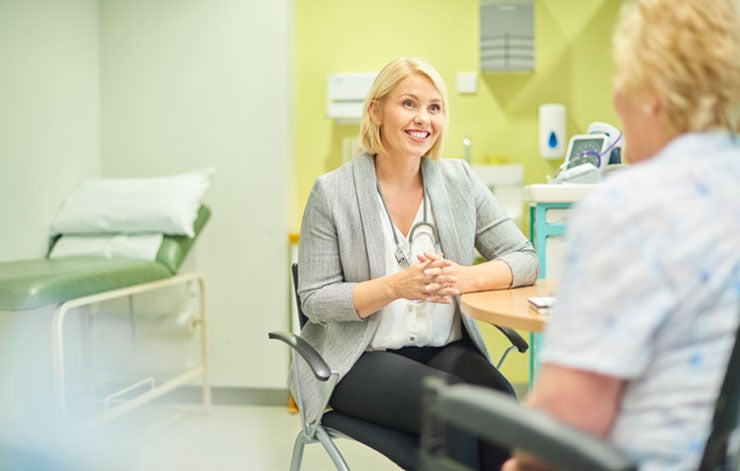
column 80, row 281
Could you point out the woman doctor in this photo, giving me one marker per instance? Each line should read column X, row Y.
column 387, row 245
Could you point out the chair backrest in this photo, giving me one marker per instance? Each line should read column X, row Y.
column 302, row 319
column 725, row 420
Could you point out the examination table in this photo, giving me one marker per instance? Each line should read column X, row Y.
column 79, row 282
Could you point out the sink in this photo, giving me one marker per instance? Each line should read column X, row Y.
column 507, row 184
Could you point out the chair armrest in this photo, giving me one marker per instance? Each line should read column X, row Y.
column 516, row 340
column 317, row 364
column 500, row 419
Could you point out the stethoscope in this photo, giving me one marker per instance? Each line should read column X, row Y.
column 401, row 258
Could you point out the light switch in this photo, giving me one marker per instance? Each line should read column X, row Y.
column 467, row 82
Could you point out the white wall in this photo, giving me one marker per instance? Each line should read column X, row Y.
column 152, row 87
column 187, row 84
column 49, row 115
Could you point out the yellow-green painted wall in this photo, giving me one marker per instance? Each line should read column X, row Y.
column 573, row 67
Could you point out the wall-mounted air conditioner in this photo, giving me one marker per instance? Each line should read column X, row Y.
column 346, row 94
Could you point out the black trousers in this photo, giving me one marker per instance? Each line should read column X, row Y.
column 385, row 387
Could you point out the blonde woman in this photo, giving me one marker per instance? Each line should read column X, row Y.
column 387, row 246
column 648, row 303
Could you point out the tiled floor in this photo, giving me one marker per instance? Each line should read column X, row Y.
column 179, row 437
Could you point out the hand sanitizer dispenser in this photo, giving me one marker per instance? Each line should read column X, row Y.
column 552, row 131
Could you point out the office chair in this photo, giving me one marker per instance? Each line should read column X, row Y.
column 399, row 446
column 476, row 410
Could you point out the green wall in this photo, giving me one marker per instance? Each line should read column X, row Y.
column 573, row 67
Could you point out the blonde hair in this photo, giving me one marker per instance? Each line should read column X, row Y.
column 688, row 53
column 388, row 78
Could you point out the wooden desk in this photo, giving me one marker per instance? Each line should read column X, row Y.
column 509, row 307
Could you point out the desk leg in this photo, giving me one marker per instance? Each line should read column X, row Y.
column 534, row 356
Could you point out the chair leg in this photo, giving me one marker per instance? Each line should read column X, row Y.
column 332, row 449
column 300, row 443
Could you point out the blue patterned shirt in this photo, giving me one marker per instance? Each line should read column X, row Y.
column 650, row 293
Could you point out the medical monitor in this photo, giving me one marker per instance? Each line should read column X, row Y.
column 587, row 148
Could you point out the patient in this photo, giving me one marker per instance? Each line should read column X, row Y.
column 649, row 298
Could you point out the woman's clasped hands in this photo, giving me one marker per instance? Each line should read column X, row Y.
column 433, row 279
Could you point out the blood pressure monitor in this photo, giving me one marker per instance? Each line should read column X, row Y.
column 589, row 154
column 587, row 149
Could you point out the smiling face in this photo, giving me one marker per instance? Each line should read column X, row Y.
column 411, row 118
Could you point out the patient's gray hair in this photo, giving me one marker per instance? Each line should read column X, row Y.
column 688, row 53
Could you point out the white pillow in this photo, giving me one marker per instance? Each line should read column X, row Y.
column 139, row 246
column 166, row 205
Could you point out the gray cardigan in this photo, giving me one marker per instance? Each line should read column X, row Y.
column 341, row 244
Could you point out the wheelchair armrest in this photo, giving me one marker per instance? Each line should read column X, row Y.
column 501, row 420
column 516, row 340
column 317, row 364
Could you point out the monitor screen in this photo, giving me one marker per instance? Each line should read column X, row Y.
column 585, row 150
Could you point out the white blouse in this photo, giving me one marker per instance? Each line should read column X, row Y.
column 405, row 323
